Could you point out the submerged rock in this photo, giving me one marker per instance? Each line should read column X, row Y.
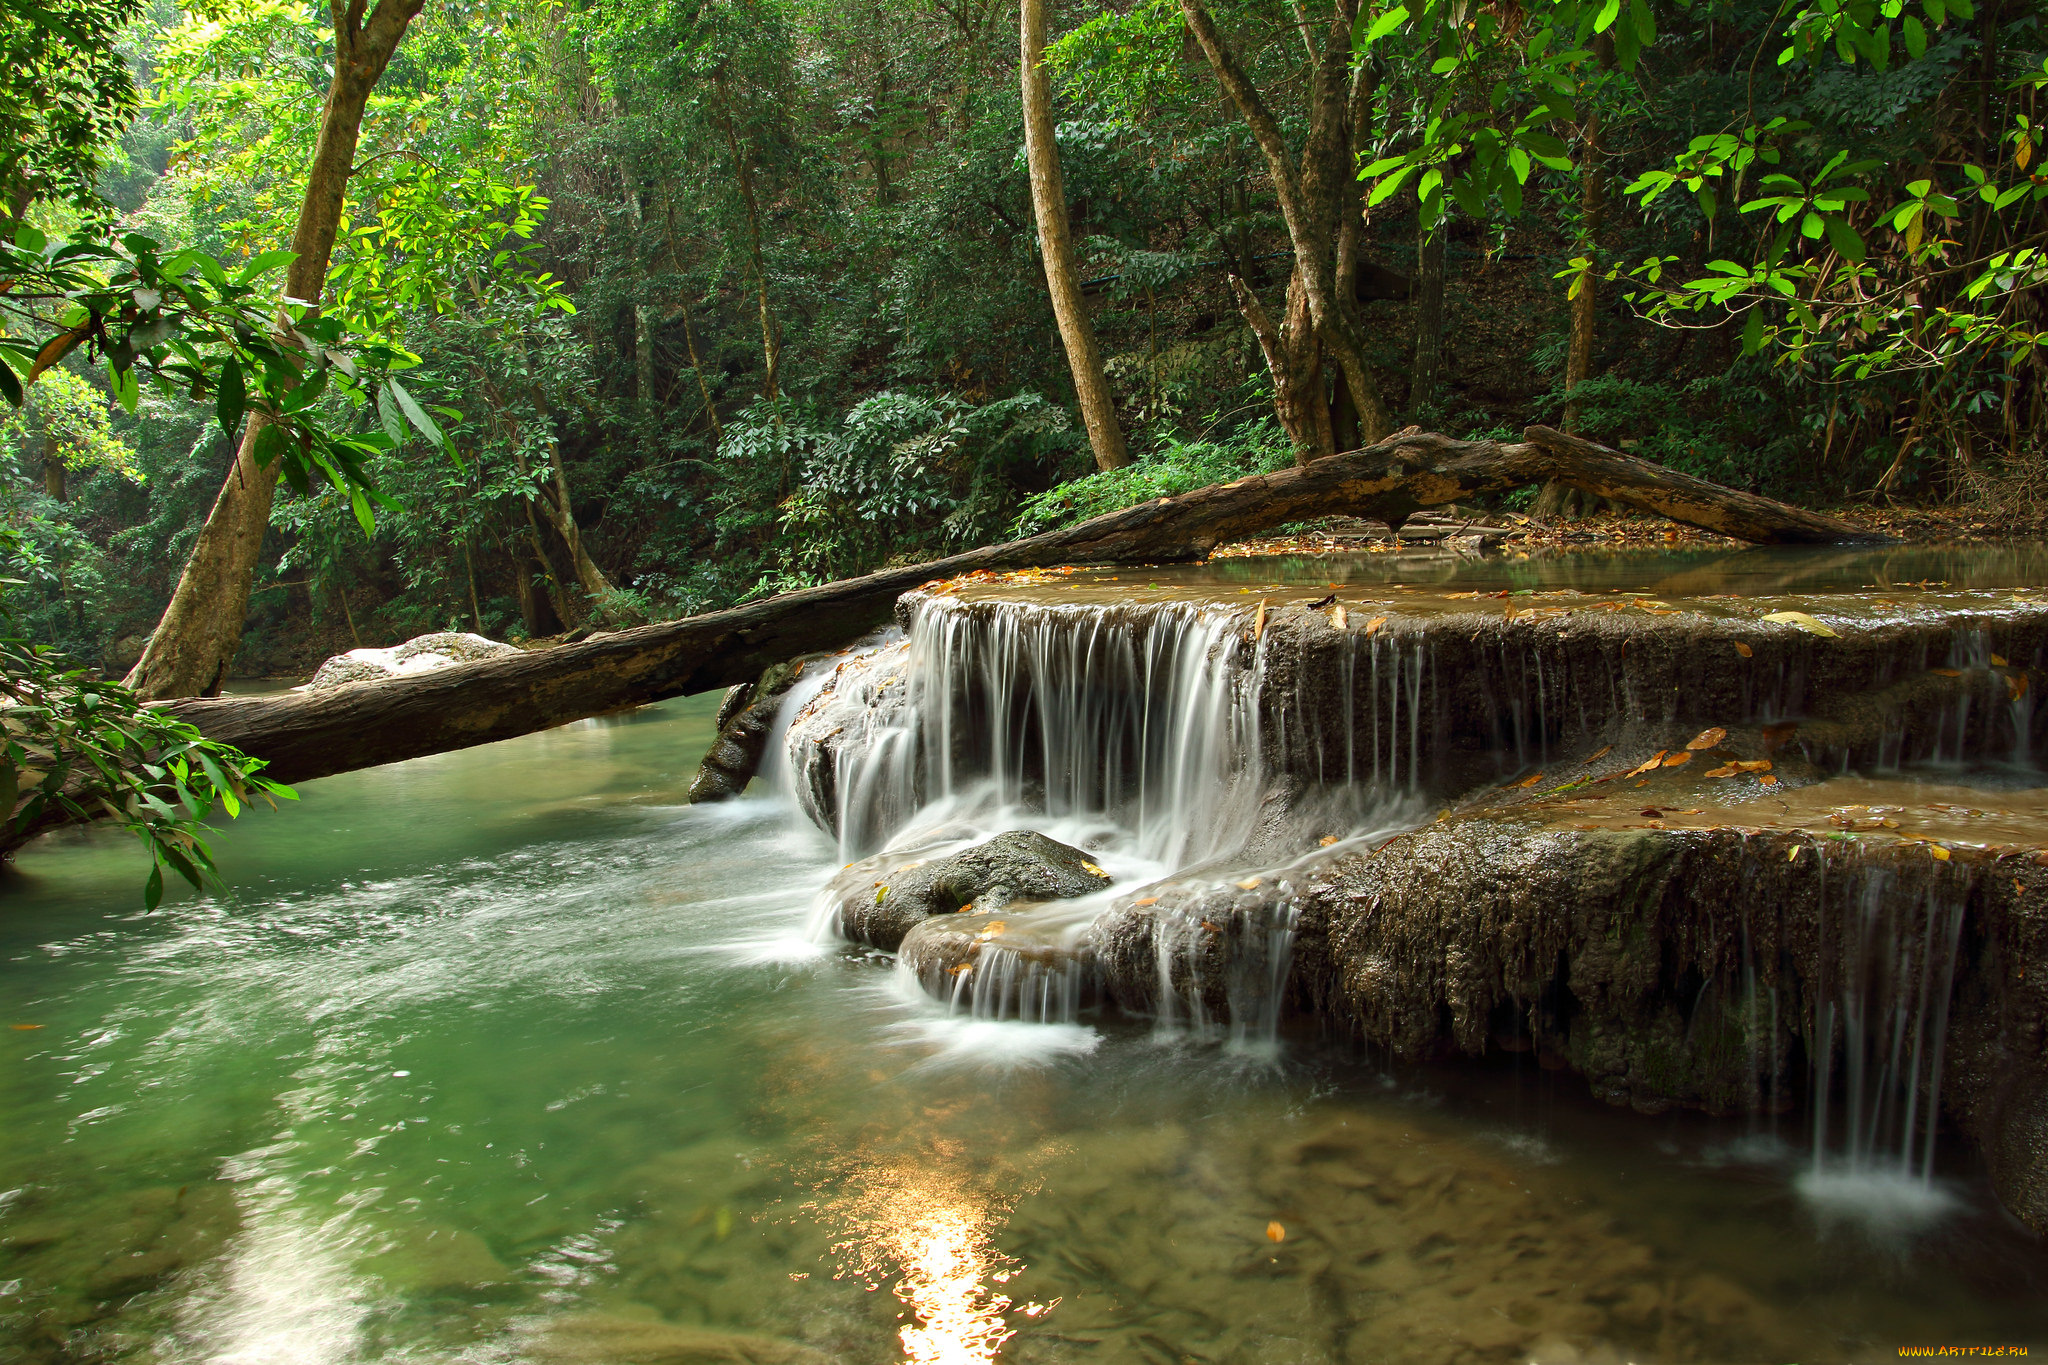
column 606, row 1339
column 421, row 654
column 878, row 904
column 1024, row 962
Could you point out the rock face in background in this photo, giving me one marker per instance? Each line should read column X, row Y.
column 746, row 719
column 421, row 654
column 879, row 900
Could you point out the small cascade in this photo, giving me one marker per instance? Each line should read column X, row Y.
column 1881, row 1014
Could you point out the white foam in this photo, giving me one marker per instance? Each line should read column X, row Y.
column 1886, row 1204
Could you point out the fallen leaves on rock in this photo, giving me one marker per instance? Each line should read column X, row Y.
column 1707, row 739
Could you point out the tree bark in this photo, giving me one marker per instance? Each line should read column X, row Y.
column 771, row 347
column 1559, row 499
column 312, row 734
column 192, row 646
column 1316, row 197
column 1429, row 317
column 1056, row 245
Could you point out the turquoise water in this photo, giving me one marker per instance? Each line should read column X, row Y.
column 508, row 1055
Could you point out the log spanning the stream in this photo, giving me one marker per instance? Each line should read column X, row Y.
column 314, row 734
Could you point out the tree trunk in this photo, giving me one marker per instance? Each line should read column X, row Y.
column 1429, row 317
column 1062, row 280
column 53, row 469
column 1317, row 197
column 1558, row 499
column 771, row 348
column 201, row 629
column 312, row 734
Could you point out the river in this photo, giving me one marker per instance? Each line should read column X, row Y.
column 508, row 1055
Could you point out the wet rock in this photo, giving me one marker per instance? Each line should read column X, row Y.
column 421, row 654
column 605, row 1339
column 123, row 654
column 1019, row 866
column 746, row 717
column 439, row 1260
column 1020, row 962
column 860, row 706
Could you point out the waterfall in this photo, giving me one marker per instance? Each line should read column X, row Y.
column 1880, row 1024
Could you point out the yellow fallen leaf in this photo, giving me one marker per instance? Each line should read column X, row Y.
column 1744, row 650
column 2016, row 685
column 2019, row 888
column 1093, row 870
column 1529, row 781
column 1940, row 853
column 880, row 894
column 1259, row 625
column 1374, row 624
column 1725, row 770
column 1682, row 756
column 1275, row 1233
column 1249, row 884
column 24, row 1028
column 1707, row 739
column 1146, row 900
column 1806, row 622
column 992, row 929
column 1769, row 780
column 1338, row 616
column 1327, row 840
column 1792, row 854
column 1599, row 753
column 1998, row 661
column 1653, row 761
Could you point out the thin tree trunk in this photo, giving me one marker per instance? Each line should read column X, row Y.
column 1316, row 197
column 1429, row 316
column 689, row 335
column 1559, row 499
column 1056, row 245
column 192, row 646
column 771, row 349
column 53, row 469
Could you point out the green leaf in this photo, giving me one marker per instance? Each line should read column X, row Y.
column 415, row 414
column 1845, row 240
column 1753, row 332
column 262, row 261
column 1916, row 37
column 1380, row 27
column 153, row 889
column 231, row 399
column 10, row 384
column 1388, row 186
column 1605, row 19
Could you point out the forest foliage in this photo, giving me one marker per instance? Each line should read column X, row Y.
column 643, row 307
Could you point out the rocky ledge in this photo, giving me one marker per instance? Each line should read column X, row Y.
column 1624, row 836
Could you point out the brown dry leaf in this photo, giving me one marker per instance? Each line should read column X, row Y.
column 1768, row 780
column 1600, row 753
column 1528, row 781
column 1338, row 617
column 29, row 1028
column 1275, row 1233
column 1458, row 596
column 1751, row 765
column 1725, row 770
column 1744, row 650
column 1327, row 840
column 1211, row 927
column 1374, row 624
column 2016, row 685
column 1807, row 622
column 1146, row 900
column 2019, row 888
column 1940, row 853
column 1682, row 756
column 1649, row 812
column 1653, row 761
column 1707, row 739
column 1946, row 672
column 1998, row 661
column 1249, row 884
column 994, row 928
column 961, row 969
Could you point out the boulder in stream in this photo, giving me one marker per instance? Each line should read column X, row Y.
column 879, row 904
column 745, row 719
column 421, row 654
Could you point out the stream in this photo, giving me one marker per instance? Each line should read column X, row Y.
column 508, row 1055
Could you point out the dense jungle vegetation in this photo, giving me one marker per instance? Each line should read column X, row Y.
column 635, row 308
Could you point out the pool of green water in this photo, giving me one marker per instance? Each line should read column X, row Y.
column 508, row 1055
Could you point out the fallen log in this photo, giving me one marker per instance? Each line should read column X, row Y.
column 1649, row 487
column 359, row 725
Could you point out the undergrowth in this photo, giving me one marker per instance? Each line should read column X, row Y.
column 1170, row 468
